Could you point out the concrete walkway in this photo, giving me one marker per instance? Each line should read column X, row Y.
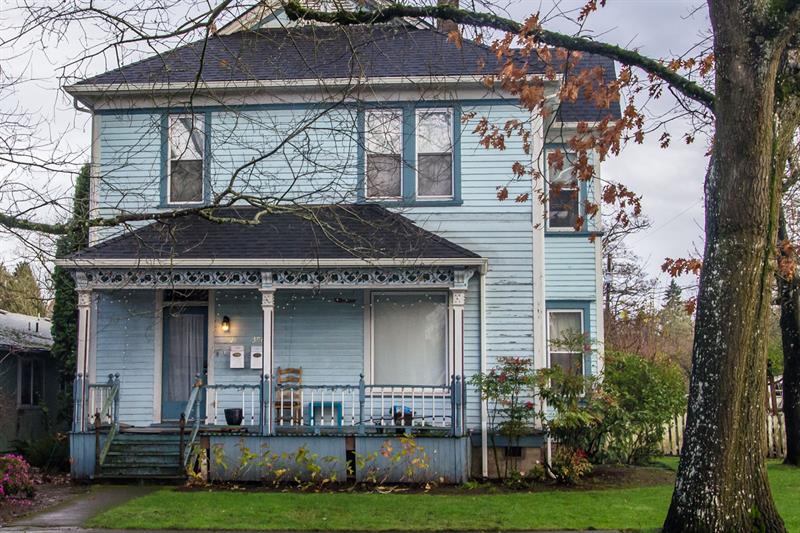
column 75, row 512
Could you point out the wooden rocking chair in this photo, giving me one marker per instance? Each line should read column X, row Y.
column 288, row 400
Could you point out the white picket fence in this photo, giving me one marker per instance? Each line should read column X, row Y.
column 776, row 435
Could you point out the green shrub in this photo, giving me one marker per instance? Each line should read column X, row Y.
column 578, row 410
column 648, row 394
column 569, row 465
column 508, row 390
column 49, row 453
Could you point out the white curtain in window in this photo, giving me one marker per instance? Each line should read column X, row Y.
column 409, row 339
column 565, row 325
column 383, row 130
column 186, row 354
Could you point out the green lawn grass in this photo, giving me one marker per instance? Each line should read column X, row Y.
column 634, row 508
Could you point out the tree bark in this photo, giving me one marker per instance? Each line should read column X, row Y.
column 789, row 293
column 722, row 479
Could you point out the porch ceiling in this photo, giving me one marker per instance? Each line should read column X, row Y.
column 343, row 234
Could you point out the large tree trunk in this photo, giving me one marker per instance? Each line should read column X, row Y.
column 789, row 292
column 722, row 480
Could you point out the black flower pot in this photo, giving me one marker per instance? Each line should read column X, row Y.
column 233, row 417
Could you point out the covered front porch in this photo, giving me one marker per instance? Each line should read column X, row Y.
column 223, row 357
column 290, row 357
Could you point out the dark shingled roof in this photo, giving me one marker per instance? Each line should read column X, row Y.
column 316, row 232
column 319, row 52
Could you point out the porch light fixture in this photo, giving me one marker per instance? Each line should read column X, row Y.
column 226, row 324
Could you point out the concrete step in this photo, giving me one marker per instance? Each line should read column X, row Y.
column 141, row 471
column 146, row 437
column 170, row 459
column 152, row 479
column 144, row 448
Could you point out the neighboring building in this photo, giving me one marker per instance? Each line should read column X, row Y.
column 402, row 277
column 29, row 378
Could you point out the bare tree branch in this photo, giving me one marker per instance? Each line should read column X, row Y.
column 632, row 58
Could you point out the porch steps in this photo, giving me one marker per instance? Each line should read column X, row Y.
column 143, row 456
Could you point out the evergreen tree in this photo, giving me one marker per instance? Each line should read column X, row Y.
column 65, row 305
column 20, row 292
column 676, row 329
column 672, row 297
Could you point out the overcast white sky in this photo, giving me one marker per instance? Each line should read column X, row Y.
column 669, row 180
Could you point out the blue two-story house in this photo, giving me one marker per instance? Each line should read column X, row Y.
column 357, row 267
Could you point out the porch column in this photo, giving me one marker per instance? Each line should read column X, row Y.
column 268, row 370
column 82, row 355
column 458, row 297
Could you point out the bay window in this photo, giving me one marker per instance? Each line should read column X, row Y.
column 384, row 147
column 566, row 340
column 434, row 153
column 409, row 338
column 186, row 145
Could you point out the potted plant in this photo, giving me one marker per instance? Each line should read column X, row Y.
column 234, row 416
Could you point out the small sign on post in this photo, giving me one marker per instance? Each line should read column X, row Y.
column 237, row 356
column 256, row 357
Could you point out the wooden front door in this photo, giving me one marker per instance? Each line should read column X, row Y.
column 185, row 355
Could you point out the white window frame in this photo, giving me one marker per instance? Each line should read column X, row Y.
column 37, row 364
column 383, row 111
column 369, row 362
column 202, row 118
column 568, row 166
column 417, row 113
column 550, row 349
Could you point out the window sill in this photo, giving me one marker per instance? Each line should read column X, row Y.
column 571, row 233
column 413, row 203
column 186, row 205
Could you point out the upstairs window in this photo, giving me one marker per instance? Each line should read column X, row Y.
column 30, row 382
column 434, row 153
column 566, row 340
column 563, row 198
column 384, row 148
column 186, row 154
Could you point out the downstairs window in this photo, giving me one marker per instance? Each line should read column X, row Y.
column 409, row 339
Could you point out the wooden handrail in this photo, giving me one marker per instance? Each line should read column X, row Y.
column 111, row 402
column 192, row 405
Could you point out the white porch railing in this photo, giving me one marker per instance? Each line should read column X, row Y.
column 96, row 404
column 267, row 408
column 363, row 408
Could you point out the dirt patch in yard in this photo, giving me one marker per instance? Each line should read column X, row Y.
column 621, row 476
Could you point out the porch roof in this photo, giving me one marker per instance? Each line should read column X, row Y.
column 340, row 233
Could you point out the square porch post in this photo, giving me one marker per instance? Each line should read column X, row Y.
column 82, row 356
column 268, row 370
column 458, row 296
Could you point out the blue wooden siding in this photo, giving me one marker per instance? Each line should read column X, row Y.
column 130, row 165
column 447, row 457
column 243, row 307
column 570, row 266
column 499, row 231
column 302, row 152
column 126, row 344
column 326, row 338
column 321, row 335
